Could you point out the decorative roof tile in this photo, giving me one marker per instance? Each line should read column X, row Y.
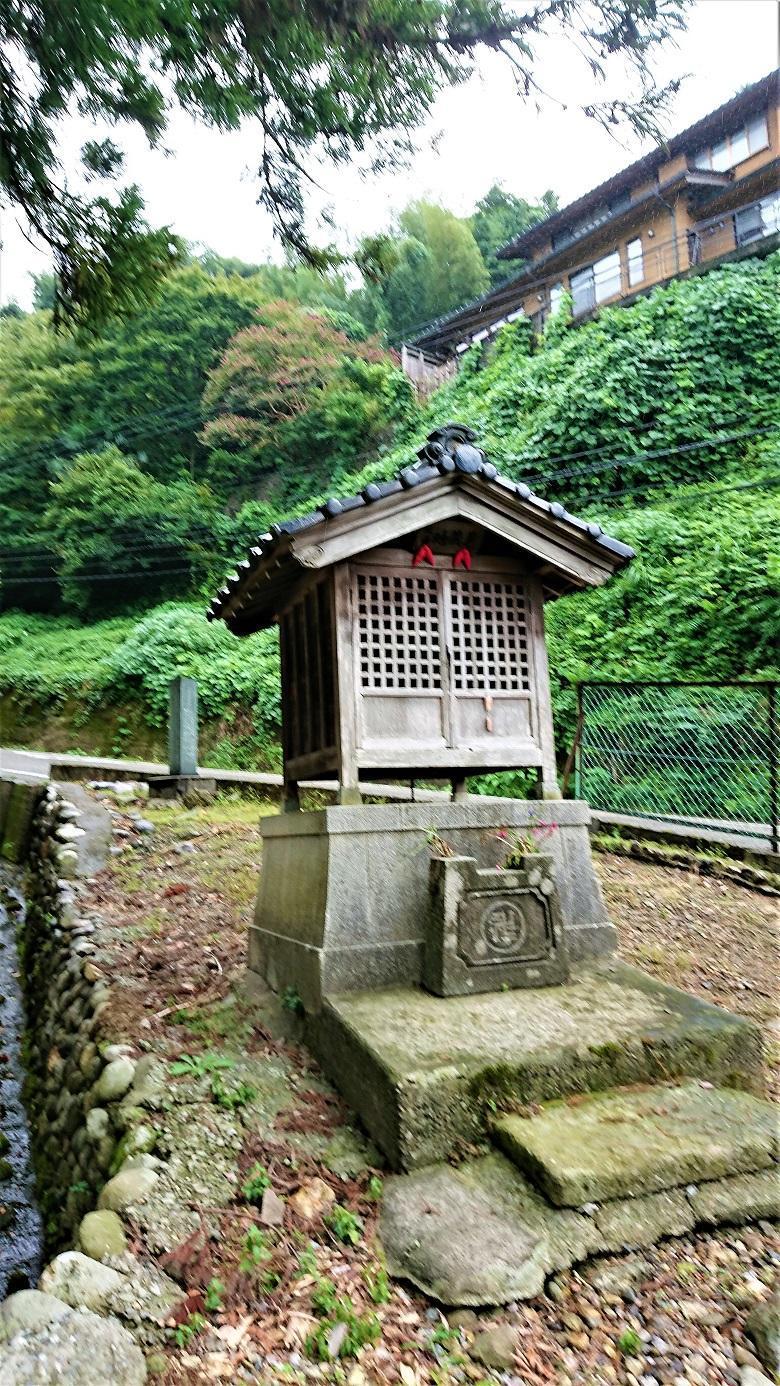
column 447, row 450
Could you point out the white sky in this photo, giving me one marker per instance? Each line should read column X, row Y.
column 479, row 133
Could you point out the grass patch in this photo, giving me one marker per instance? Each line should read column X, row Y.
column 227, row 809
column 227, row 1022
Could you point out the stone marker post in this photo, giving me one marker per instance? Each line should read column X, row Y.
column 183, row 727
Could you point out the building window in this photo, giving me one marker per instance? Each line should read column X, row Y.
column 595, row 283
column 606, row 276
column 736, row 147
column 761, row 219
column 636, row 263
column 583, row 294
column 556, row 294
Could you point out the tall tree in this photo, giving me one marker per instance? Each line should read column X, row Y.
column 121, row 538
column 499, row 217
column 44, row 291
column 437, row 266
column 333, row 79
column 294, row 402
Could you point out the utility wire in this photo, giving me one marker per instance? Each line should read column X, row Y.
column 205, row 532
column 632, row 459
column 768, row 482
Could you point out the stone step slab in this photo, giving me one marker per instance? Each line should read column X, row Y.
column 631, row 1142
column 479, row 1233
column 426, row 1073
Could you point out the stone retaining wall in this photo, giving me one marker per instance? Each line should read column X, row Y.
column 73, row 1075
column 74, row 1086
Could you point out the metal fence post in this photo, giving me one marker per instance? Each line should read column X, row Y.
column 578, row 745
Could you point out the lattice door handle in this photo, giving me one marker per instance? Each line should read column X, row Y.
column 488, row 701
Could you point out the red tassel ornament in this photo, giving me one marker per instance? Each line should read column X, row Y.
column 423, row 555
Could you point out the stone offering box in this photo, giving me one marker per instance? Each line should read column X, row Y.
column 491, row 928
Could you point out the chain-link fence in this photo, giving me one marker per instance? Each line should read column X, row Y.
column 702, row 754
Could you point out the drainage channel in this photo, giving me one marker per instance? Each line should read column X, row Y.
column 21, row 1232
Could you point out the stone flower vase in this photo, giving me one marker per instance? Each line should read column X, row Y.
column 490, row 929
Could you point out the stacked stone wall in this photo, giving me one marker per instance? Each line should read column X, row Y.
column 75, row 1080
column 73, row 1074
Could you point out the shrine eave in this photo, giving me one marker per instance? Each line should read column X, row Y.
column 461, row 481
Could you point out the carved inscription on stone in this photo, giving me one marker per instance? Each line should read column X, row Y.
column 494, row 928
column 503, row 927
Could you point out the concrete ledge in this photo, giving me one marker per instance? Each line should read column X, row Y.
column 752, row 845
column 426, row 1073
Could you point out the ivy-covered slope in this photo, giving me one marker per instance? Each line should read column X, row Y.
column 651, row 384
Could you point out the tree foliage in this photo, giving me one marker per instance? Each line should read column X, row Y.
column 122, row 538
column 336, row 80
column 498, row 218
column 137, row 390
column 699, row 601
column 435, row 265
column 294, row 402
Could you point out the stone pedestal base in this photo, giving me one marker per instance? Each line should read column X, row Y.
column 343, row 899
column 192, row 789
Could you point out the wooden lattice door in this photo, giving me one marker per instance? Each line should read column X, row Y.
column 488, row 640
column 444, row 663
column 401, row 688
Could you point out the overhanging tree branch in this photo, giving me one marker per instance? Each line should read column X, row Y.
column 331, row 79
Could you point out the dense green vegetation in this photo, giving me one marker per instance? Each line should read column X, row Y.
column 603, row 415
column 241, row 391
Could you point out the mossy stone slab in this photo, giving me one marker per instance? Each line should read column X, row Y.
column 424, row 1072
column 629, row 1142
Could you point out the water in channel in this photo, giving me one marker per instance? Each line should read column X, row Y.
column 21, row 1233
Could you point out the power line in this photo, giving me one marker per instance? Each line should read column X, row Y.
column 177, row 416
column 631, row 459
column 94, row 577
column 768, row 482
column 205, row 532
column 523, row 458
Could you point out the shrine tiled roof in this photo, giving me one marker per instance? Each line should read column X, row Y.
column 449, row 450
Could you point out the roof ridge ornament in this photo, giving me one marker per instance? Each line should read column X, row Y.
column 448, row 448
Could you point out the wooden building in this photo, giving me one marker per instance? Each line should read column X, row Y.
column 706, row 196
column 411, row 622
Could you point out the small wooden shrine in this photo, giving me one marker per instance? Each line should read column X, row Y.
column 411, row 621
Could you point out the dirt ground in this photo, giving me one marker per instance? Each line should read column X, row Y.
column 713, row 938
column 175, row 901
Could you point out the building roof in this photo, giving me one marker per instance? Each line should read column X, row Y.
column 710, row 128
column 489, row 309
column 450, row 477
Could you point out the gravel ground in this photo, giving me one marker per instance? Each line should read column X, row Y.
column 714, row 938
column 176, row 899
